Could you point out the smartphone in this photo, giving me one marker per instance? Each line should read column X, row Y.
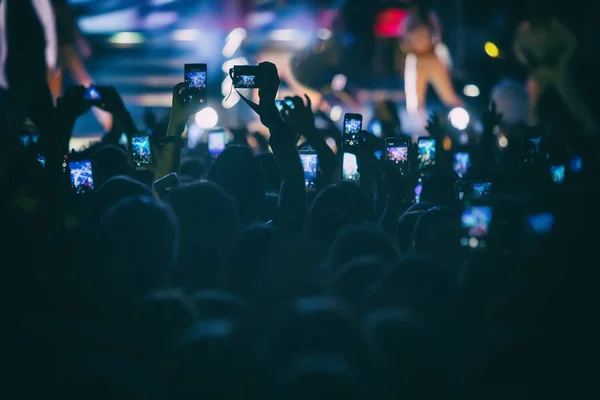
column 576, row 164
column 245, row 76
column 216, row 143
column 141, row 150
column 92, row 96
column 540, row 223
column 352, row 129
column 532, row 149
column 475, row 225
column 473, row 190
column 396, row 152
column 557, row 172
column 310, row 163
column 461, row 163
column 163, row 186
column 82, row 177
column 426, row 153
column 195, row 77
column 350, row 167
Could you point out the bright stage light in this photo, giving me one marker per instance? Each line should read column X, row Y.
column 336, row 113
column 125, row 38
column 471, row 91
column 502, row 141
column 324, row 34
column 338, row 83
column 207, row 118
column 459, row 118
column 233, row 41
column 186, row 35
column 491, row 49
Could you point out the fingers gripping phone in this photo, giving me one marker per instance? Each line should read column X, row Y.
column 352, row 129
column 475, row 226
column 426, row 153
column 396, row 150
column 310, row 164
column 195, row 77
column 140, row 150
column 245, row 76
column 350, row 167
column 163, row 186
column 82, row 176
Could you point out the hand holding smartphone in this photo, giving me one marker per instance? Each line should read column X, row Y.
column 426, row 153
column 310, row 164
column 195, row 77
column 245, row 76
column 468, row 191
column 82, row 176
column 396, row 150
column 352, row 130
column 140, row 150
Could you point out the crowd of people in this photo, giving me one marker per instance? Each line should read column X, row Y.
column 203, row 274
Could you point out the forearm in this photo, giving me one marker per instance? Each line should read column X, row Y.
column 169, row 156
column 292, row 196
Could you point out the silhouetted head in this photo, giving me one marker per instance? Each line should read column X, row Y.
column 136, row 248
column 249, row 259
column 335, row 207
column 361, row 240
column 420, row 283
column 109, row 161
column 192, row 167
column 406, row 229
column 207, row 219
column 351, row 281
column 436, row 234
column 318, row 376
column 114, row 190
column 239, row 173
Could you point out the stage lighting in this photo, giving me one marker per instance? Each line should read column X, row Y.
column 336, row 113
column 338, row 83
column 459, row 118
column 502, row 141
column 126, row 38
column 207, row 118
column 471, row 91
column 491, row 50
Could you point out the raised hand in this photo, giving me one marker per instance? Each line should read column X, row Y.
column 72, row 102
column 300, row 117
column 181, row 109
column 266, row 108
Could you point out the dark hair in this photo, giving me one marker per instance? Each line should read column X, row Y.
column 208, row 221
column 193, row 167
column 138, row 243
column 114, row 190
column 239, row 173
column 335, row 207
column 360, row 240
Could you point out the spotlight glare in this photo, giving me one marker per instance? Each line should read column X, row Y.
column 207, row 118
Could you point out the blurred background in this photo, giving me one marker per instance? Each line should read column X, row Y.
column 140, row 46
